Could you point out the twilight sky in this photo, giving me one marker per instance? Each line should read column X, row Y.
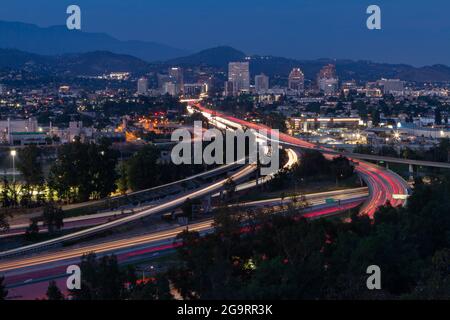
column 413, row 31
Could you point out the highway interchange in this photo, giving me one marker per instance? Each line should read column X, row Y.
column 37, row 267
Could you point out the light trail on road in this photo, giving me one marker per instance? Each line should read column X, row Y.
column 165, row 207
column 382, row 184
column 19, row 271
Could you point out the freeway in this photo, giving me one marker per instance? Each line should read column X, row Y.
column 293, row 158
column 312, row 199
column 20, row 272
column 224, row 121
column 383, row 184
column 202, row 175
column 317, row 202
column 26, row 274
column 164, row 207
column 104, row 217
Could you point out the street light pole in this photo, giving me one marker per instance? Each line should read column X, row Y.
column 13, row 154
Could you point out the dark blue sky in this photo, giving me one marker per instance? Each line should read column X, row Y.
column 414, row 32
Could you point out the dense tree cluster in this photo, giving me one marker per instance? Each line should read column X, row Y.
column 285, row 257
column 143, row 106
column 103, row 279
column 53, row 217
column 275, row 121
column 313, row 165
column 256, row 254
column 144, row 170
column 54, row 293
column 84, row 171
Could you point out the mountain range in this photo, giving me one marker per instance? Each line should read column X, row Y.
column 89, row 64
column 80, row 53
column 58, row 40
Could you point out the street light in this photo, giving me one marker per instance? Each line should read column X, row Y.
column 13, row 155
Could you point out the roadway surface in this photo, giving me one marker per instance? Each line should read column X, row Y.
column 167, row 206
column 104, row 217
column 36, row 268
column 383, row 184
column 27, row 278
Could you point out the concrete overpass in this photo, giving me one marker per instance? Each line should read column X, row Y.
column 443, row 165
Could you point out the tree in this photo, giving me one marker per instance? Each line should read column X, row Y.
column 83, row 171
column 6, row 197
column 53, row 292
column 313, row 164
column 188, row 207
column 437, row 116
column 342, row 168
column 262, row 255
column 103, row 168
column 32, row 232
column 3, row 291
column 155, row 289
column 4, row 224
column 436, row 282
column 53, row 217
column 102, row 279
column 29, row 165
column 142, row 169
column 31, row 169
column 131, row 277
column 276, row 121
column 230, row 188
column 375, row 117
column 297, row 204
column 313, row 107
column 122, row 183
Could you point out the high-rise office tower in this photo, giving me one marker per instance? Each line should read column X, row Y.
column 296, row 80
column 392, row 86
column 176, row 77
column 328, row 72
column 261, row 83
column 327, row 80
column 171, row 89
column 239, row 75
column 229, row 89
column 142, row 86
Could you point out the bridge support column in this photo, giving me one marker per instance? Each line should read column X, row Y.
column 387, row 165
column 411, row 172
column 207, row 204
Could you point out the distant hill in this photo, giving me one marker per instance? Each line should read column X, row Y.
column 59, row 40
column 346, row 69
column 91, row 63
column 15, row 59
column 99, row 62
column 215, row 57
